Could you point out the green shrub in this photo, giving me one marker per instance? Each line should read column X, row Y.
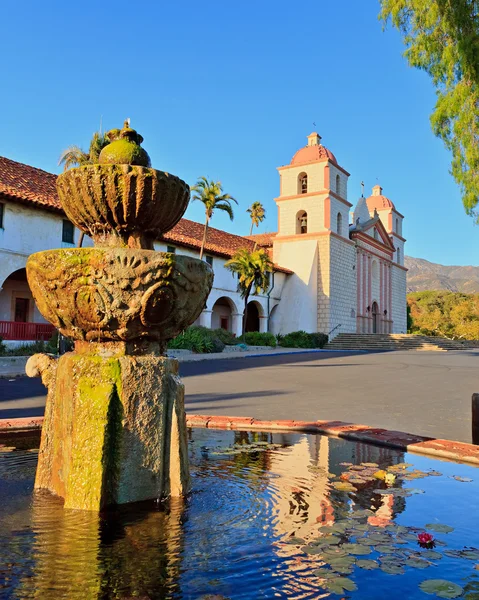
column 3, row 348
column 301, row 339
column 255, row 338
column 197, row 339
column 226, row 337
column 27, row 349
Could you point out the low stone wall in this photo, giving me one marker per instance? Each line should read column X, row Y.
column 12, row 366
column 407, row 442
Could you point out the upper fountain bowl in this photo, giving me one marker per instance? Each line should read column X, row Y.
column 122, row 205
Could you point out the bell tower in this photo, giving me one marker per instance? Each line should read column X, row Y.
column 313, row 216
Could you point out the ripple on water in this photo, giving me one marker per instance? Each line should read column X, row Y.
column 264, row 520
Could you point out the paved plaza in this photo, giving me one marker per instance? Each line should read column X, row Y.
column 427, row 393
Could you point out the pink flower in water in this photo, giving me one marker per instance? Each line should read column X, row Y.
column 425, row 540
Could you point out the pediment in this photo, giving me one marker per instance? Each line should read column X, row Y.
column 375, row 225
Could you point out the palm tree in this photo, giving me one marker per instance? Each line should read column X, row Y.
column 74, row 156
column 253, row 269
column 257, row 214
column 212, row 196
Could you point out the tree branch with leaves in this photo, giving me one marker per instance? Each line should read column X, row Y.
column 257, row 215
column 442, row 39
column 212, row 195
column 253, row 270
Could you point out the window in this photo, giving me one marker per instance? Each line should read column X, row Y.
column 303, row 184
column 171, row 249
column 22, row 308
column 68, row 232
column 339, row 224
column 2, row 206
column 399, row 256
column 302, row 222
column 209, row 260
column 397, row 225
column 338, row 184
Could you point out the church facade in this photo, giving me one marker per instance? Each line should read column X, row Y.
column 338, row 268
column 347, row 262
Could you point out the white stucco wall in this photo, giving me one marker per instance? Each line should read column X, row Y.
column 298, row 307
column 27, row 230
column 226, row 286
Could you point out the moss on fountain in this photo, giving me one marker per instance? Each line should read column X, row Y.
column 124, row 148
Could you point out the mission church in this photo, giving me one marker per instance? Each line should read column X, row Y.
column 338, row 268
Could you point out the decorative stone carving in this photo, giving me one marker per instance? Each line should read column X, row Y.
column 100, row 294
column 122, row 205
column 115, row 427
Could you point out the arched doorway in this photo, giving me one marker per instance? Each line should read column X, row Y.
column 252, row 317
column 375, row 313
column 223, row 310
column 19, row 318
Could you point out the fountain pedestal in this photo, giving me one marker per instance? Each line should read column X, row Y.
column 114, row 429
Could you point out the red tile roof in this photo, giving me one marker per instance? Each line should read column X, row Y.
column 27, row 184
column 264, row 240
column 22, row 183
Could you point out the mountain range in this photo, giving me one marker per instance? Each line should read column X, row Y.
column 424, row 275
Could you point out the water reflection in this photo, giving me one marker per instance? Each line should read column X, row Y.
column 253, row 527
column 132, row 552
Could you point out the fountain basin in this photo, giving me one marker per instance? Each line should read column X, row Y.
column 121, row 294
column 122, row 204
column 267, row 517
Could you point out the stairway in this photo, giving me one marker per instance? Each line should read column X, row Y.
column 392, row 341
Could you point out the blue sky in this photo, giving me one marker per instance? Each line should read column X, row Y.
column 230, row 91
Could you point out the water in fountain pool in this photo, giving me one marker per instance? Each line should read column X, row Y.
column 271, row 515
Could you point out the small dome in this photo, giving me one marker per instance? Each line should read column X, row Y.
column 313, row 152
column 378, row 201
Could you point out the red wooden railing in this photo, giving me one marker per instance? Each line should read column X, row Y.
column 10, row 330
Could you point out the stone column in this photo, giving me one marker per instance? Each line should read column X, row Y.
column 205, row 318
column 382, row 302
column 358, row 289
column 390, row 297
column 237, row 324
column 370, row 320
column 263, row 324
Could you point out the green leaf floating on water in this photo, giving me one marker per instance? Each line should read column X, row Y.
column 417, row 563
column 358, row 549
column 325, row 573
column 392, row 569
column 383, row 549
column 439, row 528
column 368, row 564
column 441, row 588
column 431, row 555
column 338, row 585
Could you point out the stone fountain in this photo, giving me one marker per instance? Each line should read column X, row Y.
column 114, row 430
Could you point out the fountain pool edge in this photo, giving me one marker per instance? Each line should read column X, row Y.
column 438, row 448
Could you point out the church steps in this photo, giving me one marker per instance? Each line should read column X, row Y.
column 392, row 341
